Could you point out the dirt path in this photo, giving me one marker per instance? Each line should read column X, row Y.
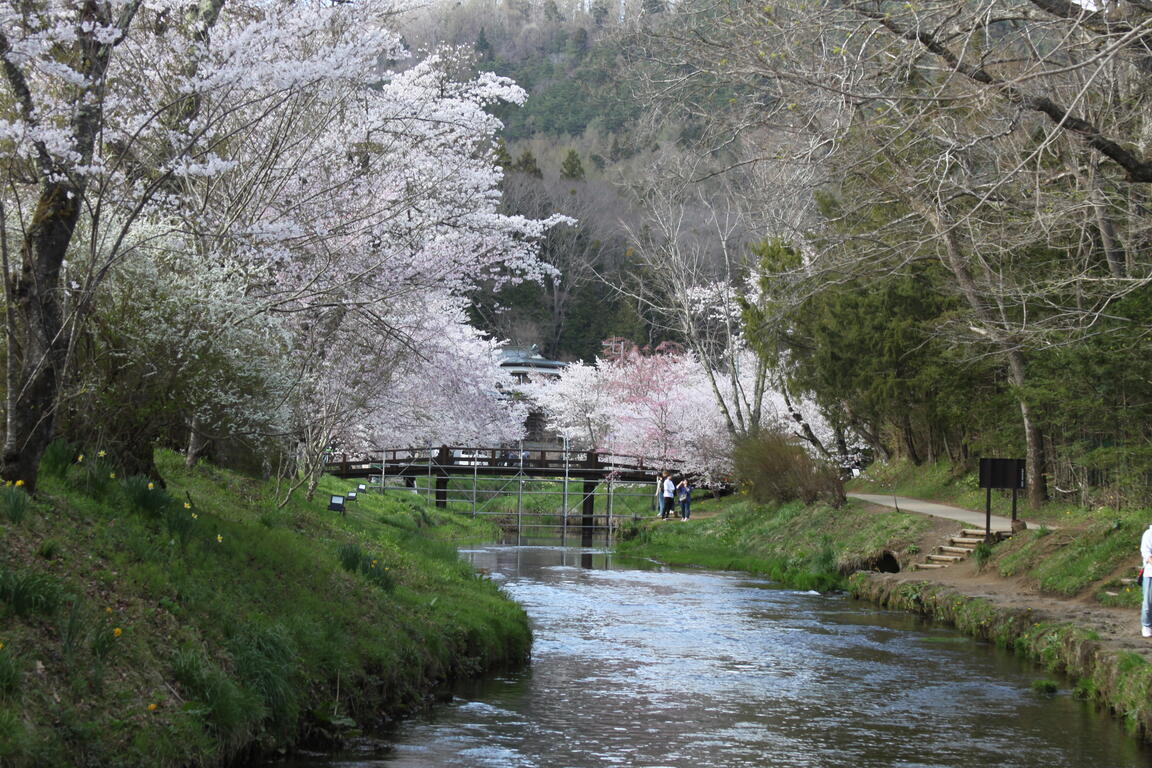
column 1118, row 628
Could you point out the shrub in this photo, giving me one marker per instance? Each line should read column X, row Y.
column 223, row 704
column 982, row 554
column 144, row 497
column 14, row 503
column 356, row 560
column 49, row 549
column 93, row 476
column 58, row 457
column 13, row 735
column 27, row 593
column 1045, row 687
column 264, row 661
column 179, row 522
column 775, row 468
column 11, row 672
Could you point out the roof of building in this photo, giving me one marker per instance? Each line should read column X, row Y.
column 528, row 357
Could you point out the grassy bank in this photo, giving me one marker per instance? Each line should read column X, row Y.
column 1120, row 680
column 806, row 547
column 198, row 624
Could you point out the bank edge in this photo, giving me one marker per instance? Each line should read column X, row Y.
column 200, row 625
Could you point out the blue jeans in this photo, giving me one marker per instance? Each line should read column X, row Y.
column 686, row 508
column 1146, row 605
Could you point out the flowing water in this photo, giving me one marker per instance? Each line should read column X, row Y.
column 647, row 667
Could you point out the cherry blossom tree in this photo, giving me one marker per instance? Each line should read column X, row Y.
column 265, row 140
column 658, row 404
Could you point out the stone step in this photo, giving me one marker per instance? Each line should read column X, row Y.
column 955, row 550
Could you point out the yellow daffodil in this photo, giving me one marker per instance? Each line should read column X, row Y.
column 112, row 475
column 152, row 707
column 151, row 486
column 1, row 646
column 219, row 539
column 187, row 505
column 80, row 458
column 19, row 483
column 117, row 632
column 195, row 516
column 101, row 454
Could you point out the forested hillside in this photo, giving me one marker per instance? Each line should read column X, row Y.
column 946, row 257
column 916, row 233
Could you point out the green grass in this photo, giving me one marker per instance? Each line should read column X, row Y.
column 186, row 625
column 805, row 547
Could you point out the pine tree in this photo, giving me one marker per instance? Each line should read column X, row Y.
column 503, row 158
column 572, row 169
column 527, row 164
column 483, row 47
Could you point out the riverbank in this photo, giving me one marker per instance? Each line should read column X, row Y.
column 199, row 625
column 1061, row 597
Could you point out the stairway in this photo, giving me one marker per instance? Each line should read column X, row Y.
column 957, row 549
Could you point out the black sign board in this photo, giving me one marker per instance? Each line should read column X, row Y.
column 336, row 503
column 1002, row 473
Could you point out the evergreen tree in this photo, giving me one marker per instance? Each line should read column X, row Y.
column 577, row 45
column 483, row 47
column 600, row 13
column 527, row 164
column 572, row 169
column 503, row 158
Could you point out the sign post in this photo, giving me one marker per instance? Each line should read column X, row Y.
column 1000, row 473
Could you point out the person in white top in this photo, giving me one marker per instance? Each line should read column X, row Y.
column 1146, row 583
column 669, row 488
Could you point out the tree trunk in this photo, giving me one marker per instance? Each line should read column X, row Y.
column 197, row 445
column 37, row 344
column 1017, row 368
column 909, row 440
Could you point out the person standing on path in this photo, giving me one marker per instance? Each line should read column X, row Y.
column 1146, row 583
column 669, row 494
column 684, row 494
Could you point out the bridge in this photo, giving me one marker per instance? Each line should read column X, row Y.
column 616, row 476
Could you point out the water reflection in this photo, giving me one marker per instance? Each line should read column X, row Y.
column 639, row 665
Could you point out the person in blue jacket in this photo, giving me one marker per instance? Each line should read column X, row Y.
column 684, row 496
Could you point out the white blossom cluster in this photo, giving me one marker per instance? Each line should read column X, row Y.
column 272, row 207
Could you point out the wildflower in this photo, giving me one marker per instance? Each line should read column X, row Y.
column 187, row 505
column 80, row 458
column 19, row 483
column 108, row 609
column 117, row 632
column 195, row 516
column 101, row 454
column 219, row 539
column 151, row 486
column 9, row 482
column 112, row 475
column 152, row 707
column 1, row 646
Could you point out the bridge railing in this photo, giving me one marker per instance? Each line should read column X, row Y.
column 533, row 458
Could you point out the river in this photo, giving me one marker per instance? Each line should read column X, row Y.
column 643, row 666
